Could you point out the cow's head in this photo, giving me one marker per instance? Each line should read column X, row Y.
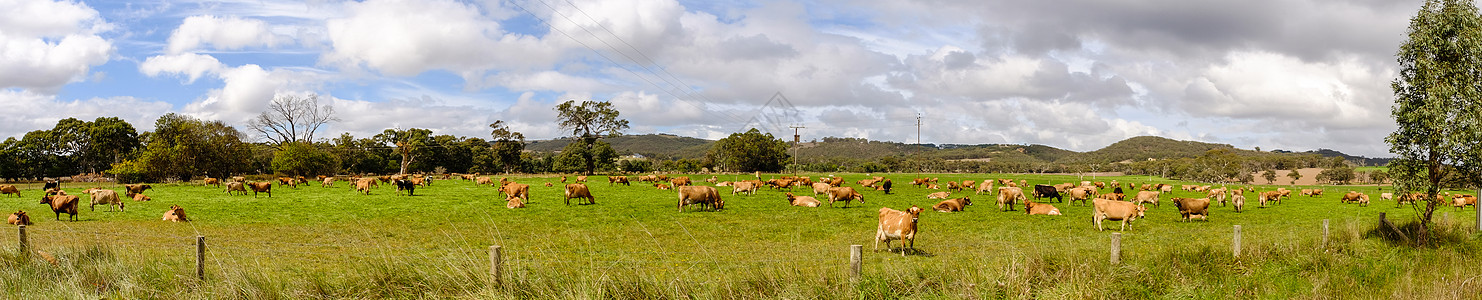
column 915, row 213
column 1141, row 210
column 966, row 201
column 46, row 199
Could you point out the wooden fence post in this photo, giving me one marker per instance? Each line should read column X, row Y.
column 854, row 260
column 25, row 246
column 1479, row 211
column 1236, row 243
column 1324, row 233
column 496, row 264
column 1116, row 248
column 201, row 257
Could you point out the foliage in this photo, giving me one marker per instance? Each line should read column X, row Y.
column 182, row 147
column 1337, row 175
column 410, row 143
column 506, row 147
column 574, row 158
column 749, row 151
column 635, row 166
column 292, row 119
column 1437, row 106
column 1269, row 175
column 300, row 159
column 589, row 121
column 1294, row 175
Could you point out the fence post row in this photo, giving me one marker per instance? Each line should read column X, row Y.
column 1116, row 248
column 1324, row 233
column 496, row 268
column 1236, row 243
column 201, row 257
column 854, row 260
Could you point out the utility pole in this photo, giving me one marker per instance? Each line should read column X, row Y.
column 796, row 140
column 918, row 128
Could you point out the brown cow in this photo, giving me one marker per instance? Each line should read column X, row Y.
column 1082, row 193
column 211, row 181
column 9, row 189
column 522, row 190
column 141, row 197
column 1353, row 196
column 746, row 187
column 1238, row 200
column 661, row 186
column 513, row 202
column 1115, row 211
column 611, row 180
column 235, row 187
column 951, row 205
column 897, row 225
column 581, row 178
column 1033, row 208
column 985, row 186
column 1147, row 197
column 705, row 196
column 1461, row 201
column 239, row 179
column 1190, row 208
column 821, row 187
column 261, row 187
column 18, row 218
column 1217, row 195
column 804, row 201
column 61, row 203
column 1008, row 195
column 1273, row 196
column 484, row 180
column 105, row 197
column 938, row 195
column 579, row 191
column 136, row 188
column 919, row 181
column 175, row 214
column 364, row 184
column 845, row 194
column 680, row 181
column 327, row 182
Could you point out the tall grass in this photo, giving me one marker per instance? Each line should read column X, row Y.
column 316, row 243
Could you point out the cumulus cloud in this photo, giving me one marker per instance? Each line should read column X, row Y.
column 191, row 65
column 45, row 45
column 405, row 38
column 221, row 33
column 28, row 111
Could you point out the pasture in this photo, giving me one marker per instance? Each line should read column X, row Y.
column 314, row 242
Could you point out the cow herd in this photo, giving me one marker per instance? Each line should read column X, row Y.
column 1121, row 202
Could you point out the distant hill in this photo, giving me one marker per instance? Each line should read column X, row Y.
column 668, row 146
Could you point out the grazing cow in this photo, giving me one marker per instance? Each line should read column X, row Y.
column 745, row 187
column 836, row 181
column 820, row 187
column 211, row 181
column 513, row 202
column 62, row 204
column 897, row 225
column 18, row 218
column 327, row 182
column 288, row 181
column 141, row 197
column 804, row 201
column 951, row 205
column 1238, row 200
column 845, row 194
column 579, row 191
column 885, row 186
column 919, row 181
column 548, row 184
column 1412, row 198
column 1060, row 187
column 104, row 197
column 239, row 179
column 261, row 187
column 1116, row 211
column 1112, row 196
column 1461, row 201
column 9, row 189
column 1316, row 192
column 938, row 195
column 1032, row 208
column 235, row 187
column 1354, row 196
column 175, row 214
column 705, row 196
column 1191, row 208
column 51, row 184
column 405, row 185
column 985, row 186
column 521, row 190
column 1217, row 195
column 583, row 178
column 136, row 188
column 952, row 186
column 1147, row 197
column 969, row 184
column 1008, row 195
column 1273, row 196
column 1387, row 197
column 1047, row 191
column 611, row 180
column 364, row 184
column 680, row 181
column 1083, row 194
column 484, row 180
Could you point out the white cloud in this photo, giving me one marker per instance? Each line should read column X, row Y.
column 45, row 45
column 228, row 33
column 406, row 38
column 191, row 65
column 247, row 91
column 26, row 111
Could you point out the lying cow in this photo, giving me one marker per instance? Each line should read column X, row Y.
column 938, row 195
column 1190, row 208
column 104, row 197
column 705, row 196
column 140, row 197
column 579, row 191
column 175, row 214
column 804, row 201
column 1032, row 208
column 61, row 203
column 1115, row 211
column 952, row 205
column 513, row 202
column 845, row 194
column 897, row 225
column 18, row 218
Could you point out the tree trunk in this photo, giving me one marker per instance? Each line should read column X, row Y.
column 587, row 155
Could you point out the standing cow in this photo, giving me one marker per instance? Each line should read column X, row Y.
column 845, row 194
column 897, row 225
column 579, row 191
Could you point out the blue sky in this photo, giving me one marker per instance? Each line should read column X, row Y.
column 1075, row 74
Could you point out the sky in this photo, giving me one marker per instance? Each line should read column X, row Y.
column 1075, row 74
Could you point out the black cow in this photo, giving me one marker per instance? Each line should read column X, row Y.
column 1047, row 191
column 406, row 185
column 51, row 184
column 886, row 186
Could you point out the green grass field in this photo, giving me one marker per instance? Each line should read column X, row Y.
column 314, row 242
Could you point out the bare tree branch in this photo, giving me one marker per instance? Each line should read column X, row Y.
column 292, row 119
